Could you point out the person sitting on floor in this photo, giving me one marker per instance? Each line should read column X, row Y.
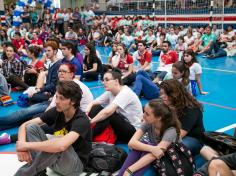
column 13, row 68
column 35, row 67
column 44, row 91
column 207, row 41
column 123, row 110
column 124, row 61
column 92, row 64
column 69, row 53
column 189, row 112
column 161, row 127
column 223, row 166
column 66, row 72
column 167, row 58
column 143, row 84
column 195, row 68
column 68, row 147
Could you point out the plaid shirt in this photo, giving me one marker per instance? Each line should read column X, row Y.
column 12, row 67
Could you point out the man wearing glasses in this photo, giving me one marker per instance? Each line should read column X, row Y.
column 119, row 106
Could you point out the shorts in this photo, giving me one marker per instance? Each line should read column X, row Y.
column 230, row 160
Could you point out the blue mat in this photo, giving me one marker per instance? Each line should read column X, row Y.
column 12, row 108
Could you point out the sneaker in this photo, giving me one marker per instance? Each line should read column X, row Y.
column 5, row 139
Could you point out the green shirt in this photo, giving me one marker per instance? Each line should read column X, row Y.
column 207, row 38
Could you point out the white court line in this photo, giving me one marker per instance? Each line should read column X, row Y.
column 205, row 68
column 227, row 71
column 227, row 128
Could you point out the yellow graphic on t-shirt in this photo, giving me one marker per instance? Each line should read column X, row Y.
column 61, row 132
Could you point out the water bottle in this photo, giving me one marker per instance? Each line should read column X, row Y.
column 99, row 79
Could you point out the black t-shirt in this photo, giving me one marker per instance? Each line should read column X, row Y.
column 79, row 124
column 93, row 60
column 26, row 19
column 192, row 122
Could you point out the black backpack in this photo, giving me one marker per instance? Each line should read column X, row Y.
column 221, row 142
column 105, row 157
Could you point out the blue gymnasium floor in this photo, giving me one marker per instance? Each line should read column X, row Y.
column 218, row 78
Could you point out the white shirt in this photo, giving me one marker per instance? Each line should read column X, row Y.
column 195, row 69
column 128, row 104
column 87, row 96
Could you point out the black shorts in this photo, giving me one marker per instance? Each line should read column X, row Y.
column 230, row 160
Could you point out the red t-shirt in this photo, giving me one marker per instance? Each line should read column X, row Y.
column 124, row 65
column 146, row 57
column 114, row 23
column 169, row 58
column 18, row 43
column 38, row 41
column 39, row 65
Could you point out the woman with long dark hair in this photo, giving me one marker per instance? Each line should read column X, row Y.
column 35, row 67
column 195, row 68
column 161, row 128
column 189, row 112
column 92, row 64
column 144, row 85
column 124, row 61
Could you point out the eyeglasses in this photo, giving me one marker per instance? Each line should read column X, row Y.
column 107, row 79
column 63, row 71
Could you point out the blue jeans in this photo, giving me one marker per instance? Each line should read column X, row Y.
column 144, row 84
column 16, row 118
column 193, row 144
column 220, row 53
column 194, row 87
column 216, row 50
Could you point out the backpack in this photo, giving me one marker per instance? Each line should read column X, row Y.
column 23, row 100
column 221, row 142
column 105, row 157
column 177, row 161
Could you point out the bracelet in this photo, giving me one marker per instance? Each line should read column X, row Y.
column 129, row 171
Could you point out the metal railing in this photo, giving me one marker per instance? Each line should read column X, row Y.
column 195, row 10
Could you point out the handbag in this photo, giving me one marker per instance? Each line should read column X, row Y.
column 177, row 161
column 221, row 142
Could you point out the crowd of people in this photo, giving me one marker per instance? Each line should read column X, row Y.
column 60, row 104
